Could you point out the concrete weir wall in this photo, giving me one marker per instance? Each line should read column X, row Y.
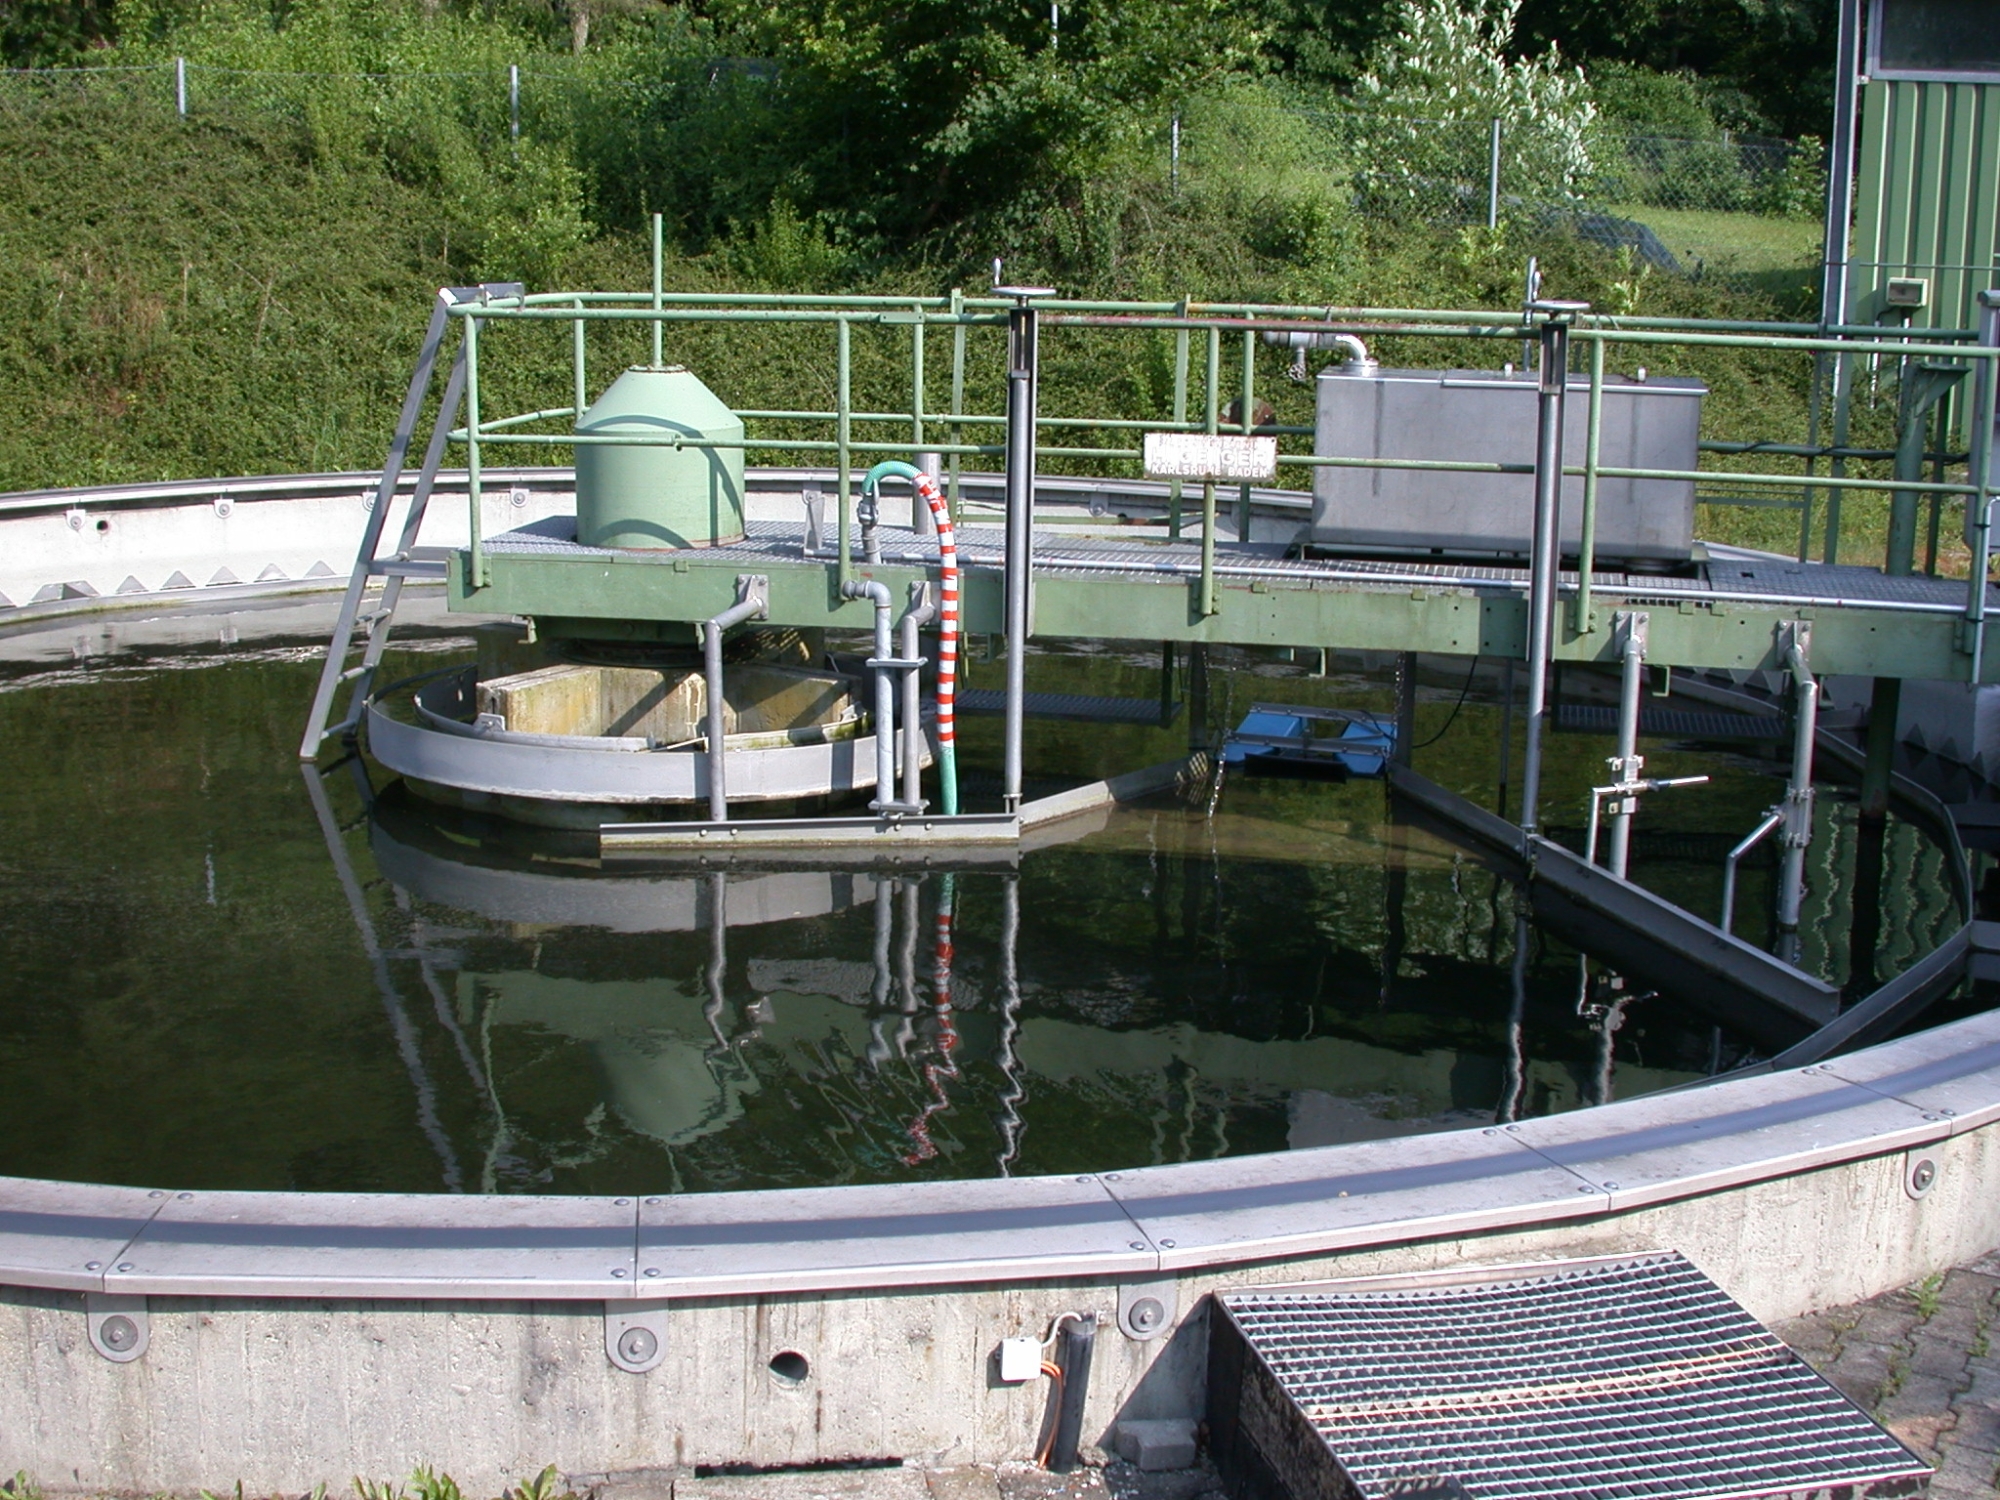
column 293, row 1338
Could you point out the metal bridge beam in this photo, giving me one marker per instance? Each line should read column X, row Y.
column 662, row 596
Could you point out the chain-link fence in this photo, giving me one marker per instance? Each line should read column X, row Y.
column 1746, row 208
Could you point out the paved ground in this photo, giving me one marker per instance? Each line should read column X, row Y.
column 1924, row 1361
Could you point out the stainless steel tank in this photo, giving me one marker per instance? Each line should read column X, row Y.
column 1488, row 416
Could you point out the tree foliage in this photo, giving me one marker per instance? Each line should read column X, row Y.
column 902, row 117
column 1433, row 87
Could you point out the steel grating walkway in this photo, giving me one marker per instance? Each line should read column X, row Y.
column 1632, row 1379
column 1726, row 574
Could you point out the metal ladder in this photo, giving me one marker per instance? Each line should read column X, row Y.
column 357, row 612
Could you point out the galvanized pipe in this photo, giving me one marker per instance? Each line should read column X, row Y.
column 1586, row 551
column 1979, row 509
column 1798, row 803
column 1772, row 820
column 659, row 293
column 1627, row 763
column 747, row 607
column 885, row 689
column 1022, row 378
column 920, row 612
column 1547, row 540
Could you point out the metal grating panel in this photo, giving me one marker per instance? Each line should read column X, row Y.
column 1634, row 1379
column 1675, row 723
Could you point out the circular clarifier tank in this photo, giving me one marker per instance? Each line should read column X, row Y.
column 661, row 494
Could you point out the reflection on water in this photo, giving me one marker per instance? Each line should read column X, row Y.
column 222, row 973
column 1182, row 986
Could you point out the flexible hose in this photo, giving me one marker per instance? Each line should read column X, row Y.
column 947, row 678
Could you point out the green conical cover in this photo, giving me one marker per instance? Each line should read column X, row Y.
column 653, row 495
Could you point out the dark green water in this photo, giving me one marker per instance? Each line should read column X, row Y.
column 200, row 990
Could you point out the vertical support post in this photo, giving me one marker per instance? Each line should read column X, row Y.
column 843, row 433
column 1493, row 178
column 917, row 405
column 1175, row 487
column 1796, row 637
column 1979, row 504
column 513, row 101
column 1174, row 157
column 1406, row 707
column 659, row 354
column 1626, row 765
column 1554, row 383
column 576, row 360
column 1023, row 376
column 957, row 399
column 1815, row 410
column 181, row 87
column 1208, row 486
column 1843, row 400
column 472, row 497
column 1586, row 552
column 1248, row 398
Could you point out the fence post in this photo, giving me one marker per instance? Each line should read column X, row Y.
column 514, row 101
column 1493, row 177
column 181, row 86
column 1174, row 161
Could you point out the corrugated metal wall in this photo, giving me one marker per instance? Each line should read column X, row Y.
column 1927, row 197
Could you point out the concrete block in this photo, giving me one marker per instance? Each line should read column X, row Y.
column 1157, row 1445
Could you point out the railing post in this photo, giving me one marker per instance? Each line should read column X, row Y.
column 1586, row 552
column 659, row 352
column 917, row 397
column 1175, row 487
column 1979, row 504
column 1174, row 158
column 1547, row 540
column 957, row 399
column 181, row 86
column 478, row 580
column 577, row 354
column 1208, row 485
column 513, row 101
column 843, row 432
column 1248, row 397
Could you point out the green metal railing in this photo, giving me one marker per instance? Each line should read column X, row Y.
column 845, row 426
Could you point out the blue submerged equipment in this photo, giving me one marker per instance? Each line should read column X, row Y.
column 1289, row 739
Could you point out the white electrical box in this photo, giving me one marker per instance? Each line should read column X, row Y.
column 1020, row 1359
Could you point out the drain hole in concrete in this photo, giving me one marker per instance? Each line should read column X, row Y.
column 818, row 1466
column 790, row 1367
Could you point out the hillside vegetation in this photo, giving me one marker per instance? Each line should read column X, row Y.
column 242, row 290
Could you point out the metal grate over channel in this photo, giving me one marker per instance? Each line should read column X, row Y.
column 1629, row 1379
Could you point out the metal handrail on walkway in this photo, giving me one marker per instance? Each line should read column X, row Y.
column 927, row 429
